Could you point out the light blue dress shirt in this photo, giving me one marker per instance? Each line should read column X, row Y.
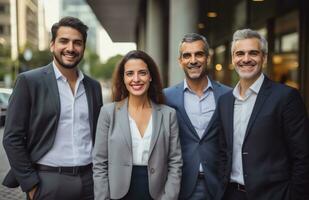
column 199, row 109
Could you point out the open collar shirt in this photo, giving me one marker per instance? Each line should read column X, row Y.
column 243, row 107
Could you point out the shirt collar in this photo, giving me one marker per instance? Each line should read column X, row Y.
column 254, row 88
column 59, row 75
column 186, row 86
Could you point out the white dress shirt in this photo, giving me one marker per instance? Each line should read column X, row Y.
column 73, row 141
column 140, row 145
column 243, row 107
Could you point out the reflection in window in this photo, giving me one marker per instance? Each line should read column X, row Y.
column 290, row 42
column 285, row 58
column 286, row 69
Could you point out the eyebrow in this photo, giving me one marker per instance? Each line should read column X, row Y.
column 186, row 52
column 250, row 51
column 75, row 40
column 130, row 70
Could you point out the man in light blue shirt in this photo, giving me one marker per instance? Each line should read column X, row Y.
column 195, row 102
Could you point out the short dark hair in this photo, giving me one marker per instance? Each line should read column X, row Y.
column 119, row 90
column 192, row 37
column 70, row 22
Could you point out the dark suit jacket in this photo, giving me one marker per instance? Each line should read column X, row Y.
column 194, row 149
column 275, row 152
column 32, row 121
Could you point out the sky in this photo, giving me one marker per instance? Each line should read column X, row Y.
column 106, row 49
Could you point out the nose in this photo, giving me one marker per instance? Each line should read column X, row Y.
column 70, row 46
column 136, row 77
column 246, row 57
column 193, row 60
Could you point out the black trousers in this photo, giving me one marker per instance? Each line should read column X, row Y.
column 64, row 186
column 233, row 192
column 139, row 186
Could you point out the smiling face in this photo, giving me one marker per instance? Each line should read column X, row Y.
column 193, row 60
column 248, row 58
column 68, row 47
column 136, row 77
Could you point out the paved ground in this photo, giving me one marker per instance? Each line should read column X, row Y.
column 6, row 193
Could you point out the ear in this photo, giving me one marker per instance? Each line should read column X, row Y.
column 265, row 59
column 51, row 46
column 208, row 59
column 179, row 62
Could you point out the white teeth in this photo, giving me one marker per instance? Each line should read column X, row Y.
column 194, row 67
column 137, row 87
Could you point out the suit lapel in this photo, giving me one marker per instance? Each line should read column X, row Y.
column 181, row 108
column 89, row 94
column 229, row 107
column 52, row 87
column 122, row 115
column 156, row 121
column 261, row 97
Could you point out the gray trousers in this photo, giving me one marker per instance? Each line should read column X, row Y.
column 60, row 186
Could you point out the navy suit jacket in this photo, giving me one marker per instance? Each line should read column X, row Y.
column 275, row 151
column 196, row 150
column 32, row 121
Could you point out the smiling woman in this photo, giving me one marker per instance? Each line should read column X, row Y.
column 136, row 129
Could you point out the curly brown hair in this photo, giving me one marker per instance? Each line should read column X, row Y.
column 119, row 90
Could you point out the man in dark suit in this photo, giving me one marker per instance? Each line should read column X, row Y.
column 195, row 101
column 264, row 133
column 51, row 122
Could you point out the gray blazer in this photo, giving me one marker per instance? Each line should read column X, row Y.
column 112, row 156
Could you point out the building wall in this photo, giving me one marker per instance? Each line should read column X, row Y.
column 183, row 19
column 27, row 20
column 5, row 28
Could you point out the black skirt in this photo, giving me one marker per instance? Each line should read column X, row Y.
column 139, row 186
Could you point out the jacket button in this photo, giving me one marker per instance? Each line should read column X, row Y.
column 152, row 170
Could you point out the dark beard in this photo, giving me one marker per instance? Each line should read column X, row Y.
column 67, row 66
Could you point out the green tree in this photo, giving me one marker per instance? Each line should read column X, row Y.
column 39, row 58
column 105, row 71
column 5, row 61
column 92, row 60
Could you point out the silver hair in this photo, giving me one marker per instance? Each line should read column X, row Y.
column 247, row 34
column 192, row 37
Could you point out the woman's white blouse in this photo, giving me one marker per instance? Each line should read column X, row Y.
column 140, row 145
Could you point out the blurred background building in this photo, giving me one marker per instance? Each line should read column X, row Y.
column 22, row 32
column 157, row 26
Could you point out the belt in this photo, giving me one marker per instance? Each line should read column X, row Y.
column 201, row 175
column 72, row 171
column 238, row 187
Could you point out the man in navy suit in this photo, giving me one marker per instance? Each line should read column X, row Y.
column 264, row 133
column 195, row 101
